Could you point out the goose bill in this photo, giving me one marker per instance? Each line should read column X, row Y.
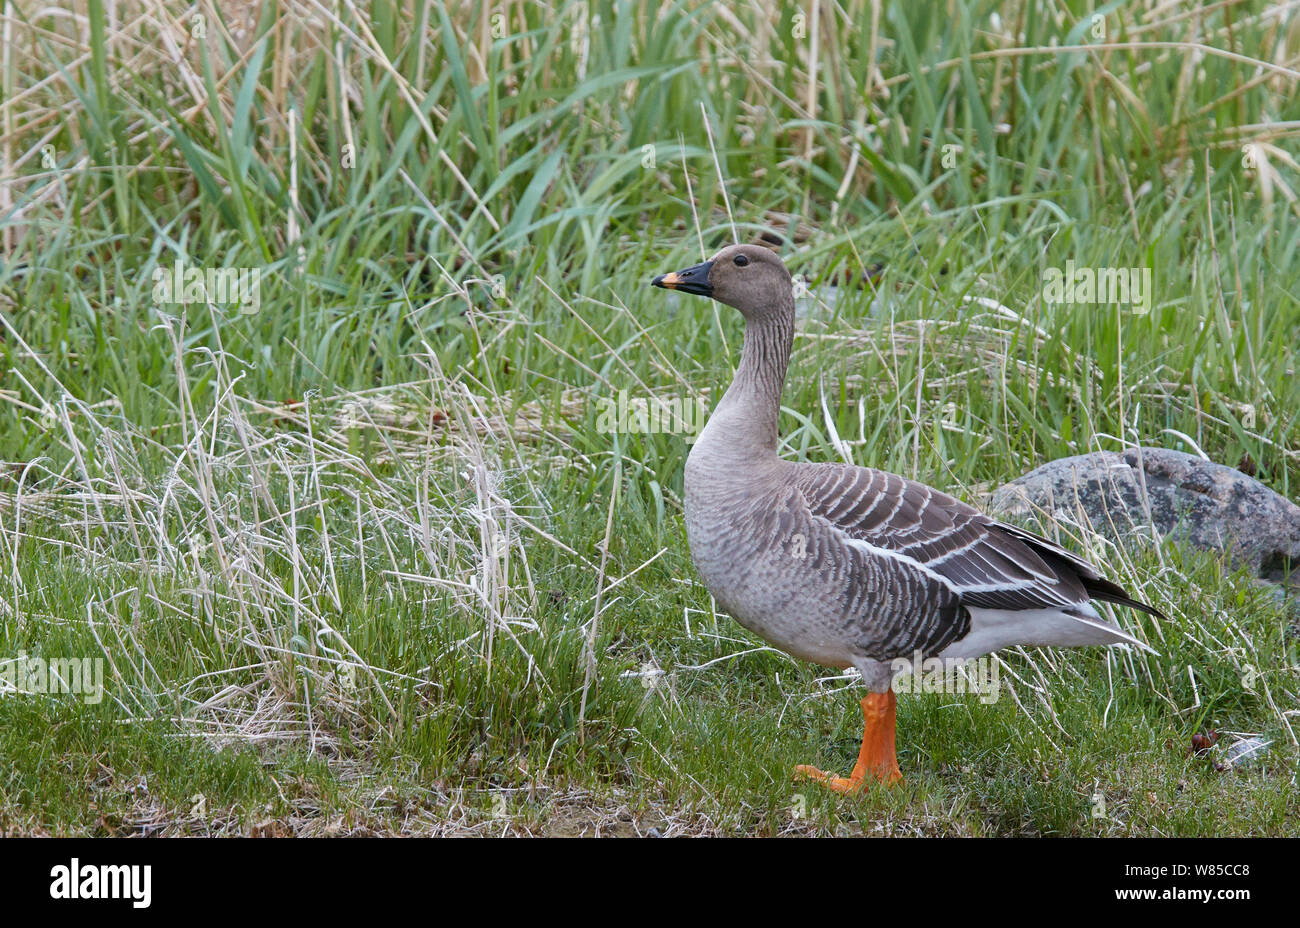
column 694, row 279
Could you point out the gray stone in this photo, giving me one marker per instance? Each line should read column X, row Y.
column 1186, row 498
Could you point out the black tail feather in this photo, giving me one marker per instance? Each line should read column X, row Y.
column 1067, row 564
column 1109, row 592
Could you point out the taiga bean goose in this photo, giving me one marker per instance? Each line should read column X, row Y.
column 849, row 566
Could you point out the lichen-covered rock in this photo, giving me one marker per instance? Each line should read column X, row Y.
column 1183, row 497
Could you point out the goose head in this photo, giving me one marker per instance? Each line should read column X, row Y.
column 750, row 278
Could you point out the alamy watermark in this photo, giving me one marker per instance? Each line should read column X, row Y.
column 951, row 675
column 1099, row 286
column 76, row 676
column 642, row 416
column 75, row 880
column 179, row 284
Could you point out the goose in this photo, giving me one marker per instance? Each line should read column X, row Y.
column 849, row 566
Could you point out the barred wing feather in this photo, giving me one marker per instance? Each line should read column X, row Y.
column 988, row 564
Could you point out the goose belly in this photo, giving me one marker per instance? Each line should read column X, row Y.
column 764, row 588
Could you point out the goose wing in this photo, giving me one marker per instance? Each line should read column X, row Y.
column 988, row 564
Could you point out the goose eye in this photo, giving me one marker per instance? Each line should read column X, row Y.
column 741, row 260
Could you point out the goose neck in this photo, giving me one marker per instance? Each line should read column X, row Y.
column 751, row 406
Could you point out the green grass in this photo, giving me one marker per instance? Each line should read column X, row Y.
column 342, row 555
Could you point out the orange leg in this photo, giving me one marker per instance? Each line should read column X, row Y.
column 877, row 758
